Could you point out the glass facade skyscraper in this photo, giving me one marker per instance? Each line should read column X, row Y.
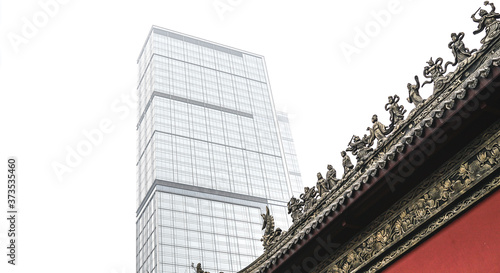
column 210, row 156
column 291, row 160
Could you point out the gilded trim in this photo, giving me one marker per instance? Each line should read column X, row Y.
column 438, row 223
column 414, row 212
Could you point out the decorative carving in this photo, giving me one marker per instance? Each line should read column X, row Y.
column 295, row 207
column 395, row 110
column 436, row 224
column 460, row 52
column 414, row 94
column 322, row 185
column 360, row 147
column 487, row 21
column 270, row 235
column 381, row 239
column 365, row 249
column 351, row 262
column 403, row 224
column 334, row 269
column 198, row 268
column 331, row 178
column 435, row 72
column 378, row 130
column 346, row 163
column 309, row 198
column 423, row 204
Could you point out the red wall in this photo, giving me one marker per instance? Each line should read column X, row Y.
column 469, row 244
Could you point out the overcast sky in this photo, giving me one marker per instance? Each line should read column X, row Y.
column 68, row 69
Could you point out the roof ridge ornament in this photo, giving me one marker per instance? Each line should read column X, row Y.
column 331, row 178
column 361, row 147
column 309, row 198
column 346, row 164
column 460, row 52
column 295, row 209
column 378, row 131
column 270, row 234
column 414, row 93
column 435, row 72
column 322, row 185
column 199, row 269
column 396, row 111
column 488, row 22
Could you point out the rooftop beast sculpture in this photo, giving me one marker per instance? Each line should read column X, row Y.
column 270, row 234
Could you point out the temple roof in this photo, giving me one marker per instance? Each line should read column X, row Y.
column 377, row 179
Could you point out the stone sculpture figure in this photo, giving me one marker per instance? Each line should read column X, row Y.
column 346, row 163
column 322, row 185
column 434, row 70
column 488, row 22
column 309, row 198
column 331, row 178
column 396, row 111
column 414, row 94
column 270, row 235
column 360, row 147
column 378, row 130
column 198, row 268
column 295, row 209
column 457, row 46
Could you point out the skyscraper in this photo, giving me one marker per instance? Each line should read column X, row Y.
column 292, row 162
column 210, row 158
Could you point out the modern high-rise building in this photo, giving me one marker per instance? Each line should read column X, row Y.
column 210, row 156
column 292, row 162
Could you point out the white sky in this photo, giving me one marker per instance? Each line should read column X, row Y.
column 79, row 66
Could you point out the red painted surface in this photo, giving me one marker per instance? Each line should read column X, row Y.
column 469, row 244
